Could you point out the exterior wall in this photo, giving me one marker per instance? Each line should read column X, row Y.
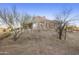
column 42, row 23
column 35, row 26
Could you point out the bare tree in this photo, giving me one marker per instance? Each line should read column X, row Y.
column 62, row 21
column 11, row 19
column 26, row 21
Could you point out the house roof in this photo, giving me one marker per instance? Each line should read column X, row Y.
column 41, row 19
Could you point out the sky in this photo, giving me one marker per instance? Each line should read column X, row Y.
column 43, row 9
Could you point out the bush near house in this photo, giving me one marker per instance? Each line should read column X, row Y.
column 72, row 28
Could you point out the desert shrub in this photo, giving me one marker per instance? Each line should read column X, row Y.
column 4, row 35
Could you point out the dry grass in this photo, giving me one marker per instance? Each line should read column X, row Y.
column 42, row 42
column 4, row 35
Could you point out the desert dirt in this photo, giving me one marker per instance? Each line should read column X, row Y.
column 40, row 43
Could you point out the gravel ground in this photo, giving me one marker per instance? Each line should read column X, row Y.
column 40, row 43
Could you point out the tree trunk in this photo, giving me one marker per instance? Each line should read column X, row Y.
column 65, row 34
column 15, row 36
column 60, row 34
